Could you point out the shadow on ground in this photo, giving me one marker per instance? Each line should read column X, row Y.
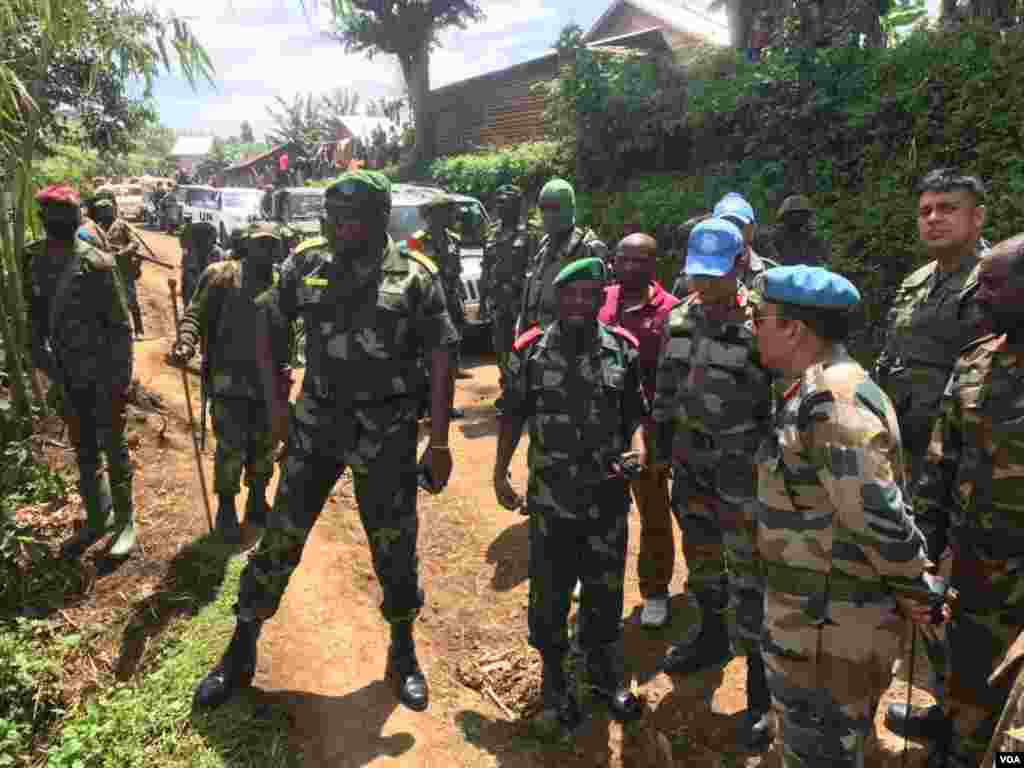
column 510, row 555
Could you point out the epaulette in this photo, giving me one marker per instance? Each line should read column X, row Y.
column 527, row 338
column 421, row 259
column 618, row 330
column 314, row 242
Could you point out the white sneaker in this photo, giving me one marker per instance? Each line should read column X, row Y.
column 655, row 612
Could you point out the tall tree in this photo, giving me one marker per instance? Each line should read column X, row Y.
column 246, row 131
column 407, row 29
column 296, row 122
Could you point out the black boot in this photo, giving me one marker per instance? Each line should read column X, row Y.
column 227, row 519
column 755, row 731
column 711, row 646
column 234, row 671
column 929, row 723
column 404, row 668
column 607, row 680
column 558, row 703
column 256, row 506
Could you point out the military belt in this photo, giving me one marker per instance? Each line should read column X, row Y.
column 835, row 586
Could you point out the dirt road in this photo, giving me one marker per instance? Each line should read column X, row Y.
column 323, row 655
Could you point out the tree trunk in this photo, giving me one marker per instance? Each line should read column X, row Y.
column 12, row 351
column 416, row 69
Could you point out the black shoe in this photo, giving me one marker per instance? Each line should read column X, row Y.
column 256, row 507
column 404, row 668
column 755, row 730
column 708, row 650
column 457, row 413
column 558, row 703
column 227, row 519
column 930, row 724
column 607, row 680
column 233, row 672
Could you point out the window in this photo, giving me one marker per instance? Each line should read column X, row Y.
column 404, row 221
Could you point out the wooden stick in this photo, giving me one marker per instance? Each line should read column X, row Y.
column 501, row 705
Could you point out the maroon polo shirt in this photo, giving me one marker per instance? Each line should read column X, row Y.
column 646, row 321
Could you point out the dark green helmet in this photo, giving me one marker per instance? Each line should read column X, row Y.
column 795, row 203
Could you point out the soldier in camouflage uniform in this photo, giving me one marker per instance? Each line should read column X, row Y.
column 578, row 384
column 563, row 242
column 201, row 253
column 372, row 309
column 224, row 314
column 932, row 317
column 841, row 555
column 440, row 243
column 82, row 340
column 971, row 498
column 794, row 239
column 119, row 241
column 1008, row 679
column 507, row 256
column 712, row 408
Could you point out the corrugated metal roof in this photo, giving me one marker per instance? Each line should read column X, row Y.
column 186, row 146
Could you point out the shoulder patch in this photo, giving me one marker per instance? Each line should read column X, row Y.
column 422, row 260
column 316, row 282
column 313, row 242
column 527, row 338
column 618, row 330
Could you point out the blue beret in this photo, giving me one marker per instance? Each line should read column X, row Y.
column 713, row 247
column 734, row 204
column 808, row 287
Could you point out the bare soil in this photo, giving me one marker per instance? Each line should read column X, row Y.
column 323, row 656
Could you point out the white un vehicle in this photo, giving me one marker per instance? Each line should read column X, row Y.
column 227, row 209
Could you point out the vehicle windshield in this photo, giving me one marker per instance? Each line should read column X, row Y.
column 202, row 198
column 244, row 200
column 305, row 207
column 404, row 221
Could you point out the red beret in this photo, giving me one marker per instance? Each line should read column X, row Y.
column 58, row 193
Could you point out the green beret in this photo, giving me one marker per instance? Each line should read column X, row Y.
column 581, row 269
column 508, row 190
column 356, row 187
column 560, row 190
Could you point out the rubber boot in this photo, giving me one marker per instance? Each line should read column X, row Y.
column 711, row 646
column 557, row 702
column 607, row 679
column 99, row 515
column 234, row 671
column 404, row 668
column 755, row 730
column 227, row 519
column 124, row 542
column 256, row 507
column 929, row 723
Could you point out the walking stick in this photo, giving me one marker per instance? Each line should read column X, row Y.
column 173, row 286
column 910, row 690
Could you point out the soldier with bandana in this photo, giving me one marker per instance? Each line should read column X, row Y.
column 372, row 310
column 82, row 340
column 507, row 256
column 224, row 315
column 117, row 239
column 578, row 385
column 563, row 243
column 712, row 408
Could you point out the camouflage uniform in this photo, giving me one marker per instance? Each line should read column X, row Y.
column 507, row 256
column 582, row 413
column 711, row 384
column 838, row 548
column 1008, row 679
column 450, row 266
column 366, row 328
column 540, row 306
column 224, row 313
column 972, row 493
column 82, row 339
column 799, row 246
column 193, row 265
column 129, row 265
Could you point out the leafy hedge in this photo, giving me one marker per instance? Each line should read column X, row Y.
column 528, row 165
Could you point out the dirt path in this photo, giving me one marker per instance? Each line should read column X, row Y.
column 323, row 656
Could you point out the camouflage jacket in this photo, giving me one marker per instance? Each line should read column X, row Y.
column 539, row 303
column 225, row 314
column 125, row 249
column 81, row 332
column 973, row 482
column 507, row 256
column 193, row 263
column 582, row 413
column 450, row 268
column 711, row 384
column 834, row 523
column 929, row 323
column 367, row 327
column 801, row 246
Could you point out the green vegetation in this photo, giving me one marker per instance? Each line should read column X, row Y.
column 528, row 165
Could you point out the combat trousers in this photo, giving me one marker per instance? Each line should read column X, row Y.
column 717, row 511
column 657, row 557
column 132, row 294
column 503, row 325
column 379, row 444
column 99, row 429
column 591, row 549
column 242, row 429
column 825, row 703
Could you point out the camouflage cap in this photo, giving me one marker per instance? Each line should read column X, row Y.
column 795, row 203
column 508, row 190
column 358, row 187
column 581, row 269
column 257, row 231
column 102, row 202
